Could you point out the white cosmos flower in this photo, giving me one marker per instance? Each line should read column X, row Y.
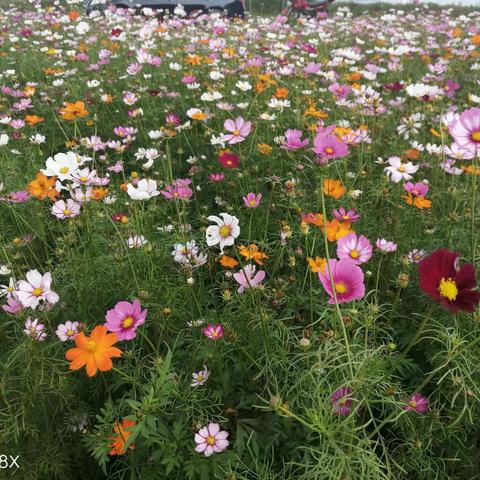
column 224, row 232
column 62, row 166
column 398, row 171
column 146, row 189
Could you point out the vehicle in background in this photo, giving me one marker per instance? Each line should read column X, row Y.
column 233, row 8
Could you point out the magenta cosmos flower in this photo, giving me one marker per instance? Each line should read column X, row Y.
column 328, row 147
column 211, row 440
column 358, row 249
column 418, row 403
column 252, row 200
column 340, row 91
column 466, row 129
column 213, row 332
column 125, row 318
column 68, row 209
column 341, row 214
column 419, row 189
column 341, row 400
column 347, row 280
column 239, row 130
column 294, row 140
column 36, row 288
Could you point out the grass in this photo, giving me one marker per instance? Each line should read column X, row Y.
column 285, row 355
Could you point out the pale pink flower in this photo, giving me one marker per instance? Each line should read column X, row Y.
column 247, row 278
column 36, row 288
column 68, row 209
column 211, row 440
column 358, row 249
column 252, row 200
column 239, row 130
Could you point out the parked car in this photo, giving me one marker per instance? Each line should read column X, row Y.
column 233, row 8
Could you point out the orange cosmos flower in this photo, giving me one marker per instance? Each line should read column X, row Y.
column 99, row 193
column 122, row 433
column 95, row 352
column 337, row 230
column 32, row 120
column 317, row 264
column 42, row 187
column 475, row 39
column 252, row 253
column 72, row 111
column 264, row 148
column 281, row 92
column 419, row 202
column 333, row 188
column 314, row 219
column 228, row 262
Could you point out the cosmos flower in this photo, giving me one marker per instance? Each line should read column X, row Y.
column 333, row 188
column 34, row 329
column 229, row 160
column 293, row 140
column 341, row 214
column 328, row 147
column 358, row 249
column 211, row 439
column 67, row 331
column 398, row 171
column 122, row 433
column 125, row 318
column 35, row 289
column 445, row 281
column 199, row 378
column 347, row 280
column 417, row 403
column 94, row 352
column 145, row 189
column 224, row 232
column 61, row 166
column 239, row 130
column 252, row 200
column 68, row 209
column 342, row 401
column 466, row 129
column 43, row 187
column 213, row 332
column 385, row 246
column 247, row 278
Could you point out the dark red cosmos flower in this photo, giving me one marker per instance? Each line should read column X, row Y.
column 228, row 160
column 444, row 280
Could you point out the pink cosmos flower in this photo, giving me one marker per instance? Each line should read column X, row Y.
column 178, row 189
column 328, row 147
column 34, row 329
column 211, row 440
column 341, row 400
column 36, row 288
column 216, row 177
column 252, row 200
column 68, row 209
column 67, row 331
column 385, row 246
column 341, row 214
column 294, row 140
column 340, row 91
column 239, row 128
column 247, row 278
column 418, row 403
column 18, row 197
column 125, row 318
column 466, row 129
column 347, row 280
column 358, row 249
column 13, row 305
column 213, row 332
column 419, row 189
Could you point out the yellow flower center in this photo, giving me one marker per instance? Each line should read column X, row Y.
column 67, row 212
column 70, row 333
column 64, row 170
column 37, row 292
column 127, row 322
column 211, row 440
column 354, row 254
column 448, row 289
column 83, row 179
column 252, row 202
column 340, row 288
column 329, row 150
column 214, row 333
column 346, row 217
column 236, row 133
column 401, row 169
column 90, row 346
column 225, row 231
column 413, row 404
column 476, row 136
column 199, row 378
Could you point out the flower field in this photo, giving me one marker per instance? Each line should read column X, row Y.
column 239, row 249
